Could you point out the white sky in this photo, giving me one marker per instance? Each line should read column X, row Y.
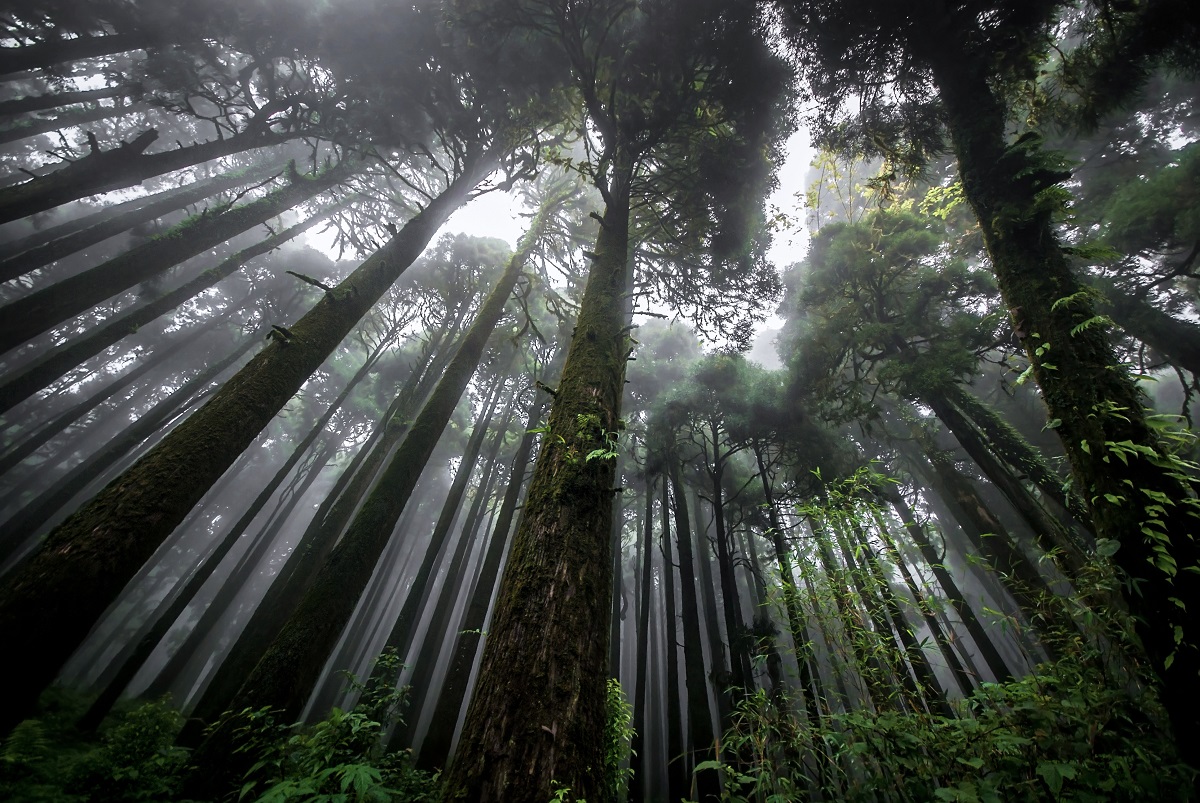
column 496, row 215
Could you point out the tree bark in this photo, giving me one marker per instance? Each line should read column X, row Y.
column 54, row 100
column 95, row 551
column 69, row 118
column 56, row 51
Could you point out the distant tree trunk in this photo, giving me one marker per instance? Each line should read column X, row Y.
column 318, row 540
column 677, row 764
column 701, row 738
column 52, row 364
column 720, row 673
column 121, row 167
column 1137, row 497
column 44, row 309
column 436, row 747
column 19, row 451
column 285, row 676
column 57, row 51
column 25, row 524
column 417, row 597
column 618, row 589
column 46, row 246
column 1176, row 340
column 1050, row 533
column 735, row 627
column 961, row 677
column 97, row 550
column 67, row 118
column 637, row 760
column 983, row 641
column 54, row 100
column 425, row 665
column 234, row 582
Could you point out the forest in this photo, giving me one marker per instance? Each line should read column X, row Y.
column 318, row 485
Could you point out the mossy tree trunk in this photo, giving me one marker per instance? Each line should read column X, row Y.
column 55, row 598
column 538, row 714
column 1137, row 497
column 317, row 541
column 44, row 309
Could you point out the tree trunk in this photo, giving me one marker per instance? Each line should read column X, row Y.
column 425, row 665
column 538, row 713
column 56, row 51
column 1177, row 341
column 121, row 167
column 677, row 761
column 54, row 100
column 17, row 453
column 69, row 118
column 735, row 627
column 97, row 550
column 1137, row 500
column 618, row 589
column 702, row 740
column 436, row 747
column 25, row 524
column 637, row 760
column 46, row 246
column 44, row 309
column 234, row 581
column 53, row 364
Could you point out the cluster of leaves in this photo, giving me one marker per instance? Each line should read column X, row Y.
column 337, row 760
column 1062, row 733
column 134, row 760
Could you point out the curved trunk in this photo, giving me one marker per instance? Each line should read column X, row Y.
column 97, row 550
column 1178, row 341
column 44, row 309
column 46, row 246
column 52, row 364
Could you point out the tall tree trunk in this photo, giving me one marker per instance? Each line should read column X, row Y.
column 97, row 550
column 618, row 589
column 637, row 759
column 540, row 699
column 287, row 672
column 1178, row 341
column 678, row 762
column 57, row 51
column 44, row 309
column 186, row 594
column 46, row 246
column 318, row 540
column 735, row 626
column 121, row 167
column 436, row 747
column 19, row 451
column 30, row 519
column 1138, row 499
column 425, row 665
column 68, row 118
column 56, row 362
column 54, row 100
column 701, row 737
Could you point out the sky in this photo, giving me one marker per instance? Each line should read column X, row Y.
column 495, row 214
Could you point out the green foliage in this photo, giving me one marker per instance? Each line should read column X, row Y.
column 1063, row 733
column 339, row 759
column 618, row 738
